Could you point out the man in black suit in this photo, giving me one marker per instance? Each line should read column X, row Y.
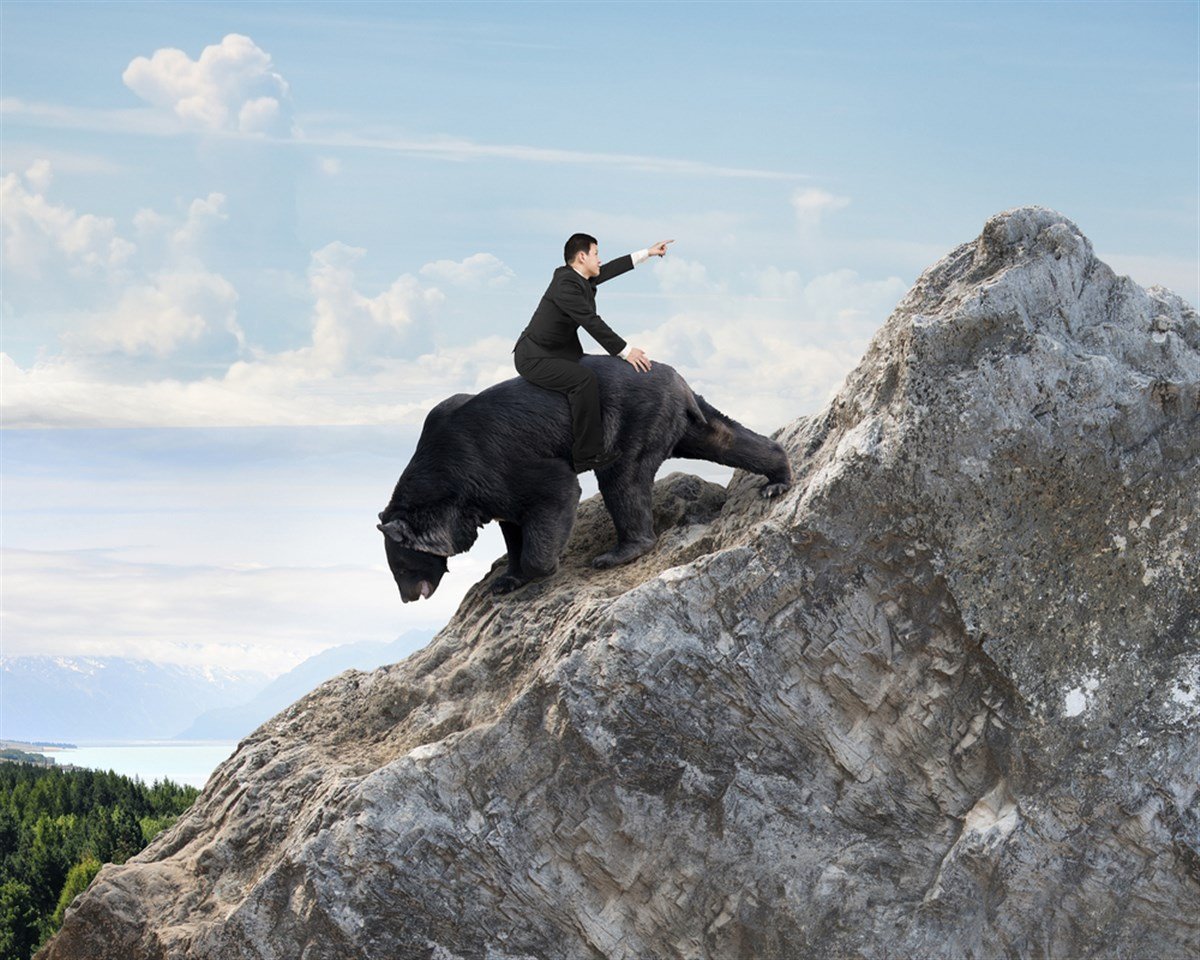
column 548, row 351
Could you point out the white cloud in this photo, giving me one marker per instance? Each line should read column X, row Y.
column 775, row 342
column 812, row 204
column 231, row 87
column 460, row 148
column 681, row 277
column 480, row 269
column 42, row 237
column 259, row 115
column 167, row 241
column 449, row 148
column 139, row 121
column 91, row 603
column 201, row 215
column 19, row 156
column 39, row 175
column 152, row 308
column 330, row 166
column 777, row 284
column 349, row 327
column 767, row 357
column 283, row 389
column 157, row 318
column 359, row 365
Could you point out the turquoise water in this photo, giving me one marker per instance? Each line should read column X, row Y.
column 190, row 762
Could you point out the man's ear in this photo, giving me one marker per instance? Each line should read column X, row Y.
column 397, row 530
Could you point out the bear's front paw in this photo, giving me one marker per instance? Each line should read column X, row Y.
column 506, row 583
column 771, row 490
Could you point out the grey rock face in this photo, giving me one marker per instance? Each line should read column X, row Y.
column 940, row 700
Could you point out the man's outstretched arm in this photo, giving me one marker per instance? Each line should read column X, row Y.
column 635, row 355
column 626, row 263
column 614, row 268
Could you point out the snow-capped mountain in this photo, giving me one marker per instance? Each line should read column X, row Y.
column 101, row 698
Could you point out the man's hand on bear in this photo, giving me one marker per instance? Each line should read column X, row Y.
column 638, row 358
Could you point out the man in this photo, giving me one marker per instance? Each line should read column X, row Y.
column 548, row 351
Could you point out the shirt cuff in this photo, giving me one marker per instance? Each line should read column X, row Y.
column 641, row 257
column 624, row 353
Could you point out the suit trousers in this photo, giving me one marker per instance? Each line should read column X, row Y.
column 583, row 396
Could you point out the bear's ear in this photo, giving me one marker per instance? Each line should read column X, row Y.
column 398, row 530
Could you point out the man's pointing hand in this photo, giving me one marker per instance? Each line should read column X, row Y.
column 660, row 248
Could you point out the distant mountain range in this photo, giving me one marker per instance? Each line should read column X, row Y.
column 235, row 722
column 115, row 698
column 110, row 698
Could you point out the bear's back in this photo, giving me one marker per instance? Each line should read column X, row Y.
column 516, row 414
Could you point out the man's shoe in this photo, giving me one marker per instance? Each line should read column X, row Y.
column 596, row 463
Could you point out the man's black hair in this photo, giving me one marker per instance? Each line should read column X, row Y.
column 579, row 243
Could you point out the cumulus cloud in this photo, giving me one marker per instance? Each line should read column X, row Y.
column 770, row 344
column 42, row 237
column 157, row 318
column 779, row 350
column 776, row 283
column 480, row 269
column 153, row 295
column 774, row 349
column 350, row 327
column 811, row 205
column 170, row 312
column 231, row 87
column 202, row 214
column 358, row 366
column 171, row 240
column 679, row 276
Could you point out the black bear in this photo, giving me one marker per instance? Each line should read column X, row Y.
column 505, row 454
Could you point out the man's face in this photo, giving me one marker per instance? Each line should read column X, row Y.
column 589, row 263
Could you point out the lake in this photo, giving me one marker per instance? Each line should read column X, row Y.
column 184, row 761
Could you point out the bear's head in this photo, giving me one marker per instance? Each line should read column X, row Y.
column 417, row 572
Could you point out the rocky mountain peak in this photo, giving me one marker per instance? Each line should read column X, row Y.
column 940, row 699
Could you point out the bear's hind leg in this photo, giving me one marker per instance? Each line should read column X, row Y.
column 627, row 487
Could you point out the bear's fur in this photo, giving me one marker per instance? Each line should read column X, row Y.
column 504, row 454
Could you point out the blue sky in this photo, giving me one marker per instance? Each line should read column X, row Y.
column 247, row 246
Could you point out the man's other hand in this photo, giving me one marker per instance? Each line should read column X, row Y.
column 639, row 359
column 660, row 248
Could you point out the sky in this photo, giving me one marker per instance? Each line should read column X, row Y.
column 246, row 247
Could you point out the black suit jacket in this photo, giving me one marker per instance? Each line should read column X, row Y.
column 568, row 304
